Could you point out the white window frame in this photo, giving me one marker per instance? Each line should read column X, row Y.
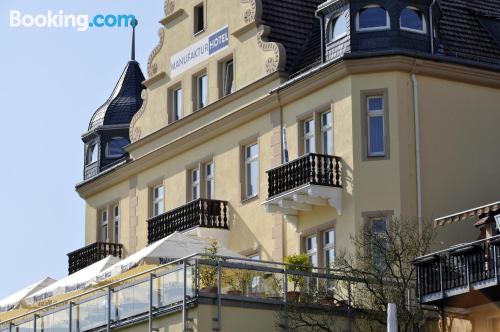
column 312, row 252
column 225, row 81
column 116, row 223
column 104, row 225
column 332, row 22
column 158, row 201
column 89, row 157
column 195, row 183
column 108, row 154
column 199, row 91
column 326, row 129
column 196, row 19
column 176, row 103
column 328, row 246
column 379, row 28
column 376, row 113
column 309, row 135
column 209, row 180
column 424, row 21
column 249, row 161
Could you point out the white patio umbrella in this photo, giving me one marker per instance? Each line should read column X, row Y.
column 174, row 246
column 76, row 281
column 13, row 301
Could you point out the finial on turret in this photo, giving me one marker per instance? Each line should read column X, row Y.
column 134, row 24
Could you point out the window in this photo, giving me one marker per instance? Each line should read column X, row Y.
column 412, row 19
column 158, row 200
column 379, row 241
column 115, row 147
column 312, row 250
column 376, row 126
column 372, row 17
column 201, row 91
column 116, row 223
column 104, row 226
column 228, row 78
column 209, row 181
column 251, row 170
column 92, row 153
column 177, row 104
column 309, row 139
column 199, row 18
column 337, row 27
column 195, row 184
column 327, row 133
column 329, row 247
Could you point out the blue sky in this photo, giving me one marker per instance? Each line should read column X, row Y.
column 53, row 79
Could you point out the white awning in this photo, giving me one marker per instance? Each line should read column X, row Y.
column 174, row 246
column 13, row 301
column 76, row 281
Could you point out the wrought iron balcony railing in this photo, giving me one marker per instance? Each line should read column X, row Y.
column 312, row 168
column 207, row 213
column 458, row 270
column 81, row 258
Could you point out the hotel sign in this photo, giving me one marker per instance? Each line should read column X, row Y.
column 199, row 51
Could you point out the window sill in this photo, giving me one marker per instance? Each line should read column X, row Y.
column 421, row 32
column 195, row 34
column 249, row 199
column 373, row 29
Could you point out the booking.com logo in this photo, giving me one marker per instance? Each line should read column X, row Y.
column 62, row 20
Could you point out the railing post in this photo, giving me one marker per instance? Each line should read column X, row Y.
column 495, row 262
column 150, row 314
column 70, row 325
column 219, row 299
column 285, row 297
column 441, row 281
column 34, row 322
column 349, row 305
column 184, row 294
column 467, row 271
column 108, row 310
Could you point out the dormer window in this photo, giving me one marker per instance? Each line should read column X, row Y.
column 412, row 19
column 91, row 154
column 115, row 147
column 337, row 27
column 372, row 18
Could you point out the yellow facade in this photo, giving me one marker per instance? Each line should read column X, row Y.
column 457, row 133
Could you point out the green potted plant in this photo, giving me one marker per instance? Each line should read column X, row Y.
column 208, row 273
column 239, row 281
column 297, row 262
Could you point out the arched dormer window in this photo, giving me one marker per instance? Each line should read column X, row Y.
column 91, row 156
column 337, row 27
column 372, row 18
column 115, row 147
column 412, row 19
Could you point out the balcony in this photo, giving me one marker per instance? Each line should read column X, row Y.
column 81, row 258
column 205, row 213
column 462, row 276
column 313, row 179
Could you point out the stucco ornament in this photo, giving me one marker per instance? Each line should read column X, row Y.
column 254, row 15
column 277, row 61
column 153, row 67
column 135, row 132
column 169, row 7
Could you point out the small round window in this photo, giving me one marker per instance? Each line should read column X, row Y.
column 337, row 27
column 115, row 147
column 372, row 17
column 91, row 154
column 412, row 19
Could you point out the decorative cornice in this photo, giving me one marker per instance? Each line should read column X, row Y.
column 169, row 7
column 250, row 15
column 135, row 132
column 278, row 60
column 153, row 67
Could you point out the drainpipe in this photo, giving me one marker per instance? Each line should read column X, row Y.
column 416, row 111
column 321, row 17
column 431, row 25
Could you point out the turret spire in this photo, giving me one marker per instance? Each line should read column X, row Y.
column 134, row 24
